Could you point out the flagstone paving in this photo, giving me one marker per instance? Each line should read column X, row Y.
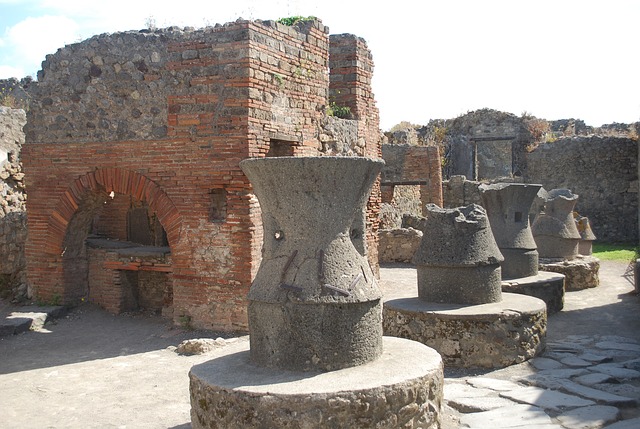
column 581, row 381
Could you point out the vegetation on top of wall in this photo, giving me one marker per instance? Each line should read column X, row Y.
column 342, row 112
column 9, row 100
column 539, row 129
column 292, row 20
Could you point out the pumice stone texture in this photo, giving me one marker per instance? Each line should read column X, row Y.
column 315, row 302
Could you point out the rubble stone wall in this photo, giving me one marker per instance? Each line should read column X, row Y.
column 603, row 171
column 13, row 218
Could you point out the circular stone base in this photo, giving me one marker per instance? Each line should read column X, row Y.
column 492, row 335
column 580, row 273
column 547, row 286
column 402, row 388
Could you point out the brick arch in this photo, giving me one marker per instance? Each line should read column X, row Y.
column 119, row 181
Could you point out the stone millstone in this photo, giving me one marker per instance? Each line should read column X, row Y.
column 402, row 388
column 458, row 261
column 508, row 206
column 555, row 229
column 314, row 302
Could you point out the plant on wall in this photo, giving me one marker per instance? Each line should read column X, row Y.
column 292, row 20
column 342, row 112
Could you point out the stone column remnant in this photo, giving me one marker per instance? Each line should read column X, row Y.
column 314, row 303
column 587, row 237
column 508, row 206
column 458, row 261
column 554, row 230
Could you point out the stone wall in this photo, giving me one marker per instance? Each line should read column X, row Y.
column 350, row 75
column 13, row 218
column 410, row 179
column 486, row 144
column 458, row 192
column 160, row 119
column 398, row 245
column 603, row 171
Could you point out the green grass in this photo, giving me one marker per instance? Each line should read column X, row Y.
column 615, row 252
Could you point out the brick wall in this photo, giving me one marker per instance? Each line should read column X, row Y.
column 162, row 119
column 413, row 165
column 351, row 70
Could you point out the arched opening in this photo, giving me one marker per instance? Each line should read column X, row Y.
column 115, row 242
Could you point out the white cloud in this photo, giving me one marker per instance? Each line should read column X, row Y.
column 10, row 71
column 34, row 38
column 28, row 42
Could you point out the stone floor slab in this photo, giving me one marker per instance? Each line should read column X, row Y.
column 563, row 372
column 624, row 389
column 37, row 318
column 463, row 390
column 478, row 403
column 595, row 357
column 632, row 364
column 546, row 398
column 543, row 363
column 565, row 346
column 626, row 424
column 618, row 345
column 493, row 383
column 507, row 417
column 616, row 370
column 593, row 417
column 595, row 378
column 576, row 362
column 597, row 395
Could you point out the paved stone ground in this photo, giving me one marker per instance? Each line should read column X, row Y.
column 588, row 377
column 89, row 369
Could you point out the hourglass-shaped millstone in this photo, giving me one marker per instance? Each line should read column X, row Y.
column 555, row 229
column 315, row 302
column 508, row 206
column 458, row 261
column 587, row 237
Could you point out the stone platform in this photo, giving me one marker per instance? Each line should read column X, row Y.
column 402, row 388
column 580, row 273
column 494, row 335
column 547, row 286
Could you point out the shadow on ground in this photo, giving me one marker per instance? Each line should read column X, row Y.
column 89, row 333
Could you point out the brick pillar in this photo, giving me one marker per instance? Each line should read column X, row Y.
column 350, row 73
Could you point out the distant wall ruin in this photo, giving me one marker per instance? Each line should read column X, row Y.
column 603, row 171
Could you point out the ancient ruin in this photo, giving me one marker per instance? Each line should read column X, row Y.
column 315, row 302
column 460, row 310
column 587, row 237
column 508, row 206
column 458, row 261
column 558, row 239
column 134, row 141
column 316, row 342
column 554, row 229
column 599, row 164
column 410, row 179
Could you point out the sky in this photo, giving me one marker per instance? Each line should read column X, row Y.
column 434, row 59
